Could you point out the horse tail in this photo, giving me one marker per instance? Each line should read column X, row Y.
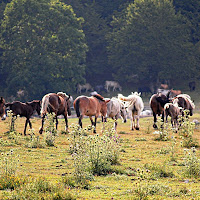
column 77, row 108
column 45, row 103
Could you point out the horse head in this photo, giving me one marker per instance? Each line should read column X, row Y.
column 123, row 111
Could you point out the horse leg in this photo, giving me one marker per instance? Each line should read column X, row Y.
column 137, row 126
column 80, row 121
column 41, row 129
column 56, row 122
column 115, row 125
column 92, row 120
column 27, row 121
column 155, row 120
column 163, row 116
column 66, row 123
column 95, row 122
column 132, row 118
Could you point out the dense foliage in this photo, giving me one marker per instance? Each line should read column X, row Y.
column 52, row 45
column 44, row 47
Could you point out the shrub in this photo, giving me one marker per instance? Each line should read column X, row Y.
column 162, row 131
column 39, row 189
column 186, row 132
column 92, row 154
column 192, row 163
column 34, row 142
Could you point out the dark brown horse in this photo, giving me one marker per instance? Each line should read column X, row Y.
column 90, row 106
column 2, row 108
column 157, row 103
column 55, row 103
column 25, row 110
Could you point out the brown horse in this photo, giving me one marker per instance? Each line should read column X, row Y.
column 2, row 108
column 90, row 106
column 157, row 103
column 24, row 110
column 184, row 101
column 55, row 103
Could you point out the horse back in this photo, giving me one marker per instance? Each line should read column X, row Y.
column 113, row 107
column 88, row 106
column 155, row 105
column 22, row 109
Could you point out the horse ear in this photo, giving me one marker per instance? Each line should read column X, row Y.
column 107, row 101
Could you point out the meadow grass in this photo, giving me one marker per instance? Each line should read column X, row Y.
column 145, row 170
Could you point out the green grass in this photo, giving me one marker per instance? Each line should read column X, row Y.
column 166, row 178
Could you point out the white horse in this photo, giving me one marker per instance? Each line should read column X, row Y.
column 135, row 106
column 115, row 109
column 85, row 87
column 112, row 84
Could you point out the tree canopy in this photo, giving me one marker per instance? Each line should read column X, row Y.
column 150, row 39
column 44, row 47
column 52, row 45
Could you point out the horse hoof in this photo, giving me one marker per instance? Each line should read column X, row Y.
column 137, row 128
column 155, row 126
column 40, row 131
column 132, row 129
column 94, row 131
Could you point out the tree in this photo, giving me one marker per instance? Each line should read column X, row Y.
column 151, row 40
column 44, row 47
column 190, row 9
column 95, row 29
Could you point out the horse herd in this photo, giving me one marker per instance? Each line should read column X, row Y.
column 98, row 106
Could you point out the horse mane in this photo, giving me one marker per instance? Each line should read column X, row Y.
column 129, row 98
column 99, row 97
column 62, row 94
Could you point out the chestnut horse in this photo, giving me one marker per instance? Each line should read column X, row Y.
column 2, row 108
column 157, row 103
column 56, row 103
column 90, row 106
column 24, row 110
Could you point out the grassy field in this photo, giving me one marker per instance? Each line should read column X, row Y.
column 147, row 168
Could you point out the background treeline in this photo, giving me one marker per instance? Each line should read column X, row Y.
column 51, row 45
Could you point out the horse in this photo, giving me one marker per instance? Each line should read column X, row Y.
column 184, row 101
column 157, row 102
column 56, row 103
column 135, row 106
column 90, row 106
column 115, row 109
column 144, row 90
column 175, row 92
column 86, row 87
column 173, row 110
column 2, row 108
column 24, row 110
column 112, row 84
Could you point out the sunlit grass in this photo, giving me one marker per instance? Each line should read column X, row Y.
column 137, row 150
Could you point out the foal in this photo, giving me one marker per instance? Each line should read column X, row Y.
column 25, row 110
